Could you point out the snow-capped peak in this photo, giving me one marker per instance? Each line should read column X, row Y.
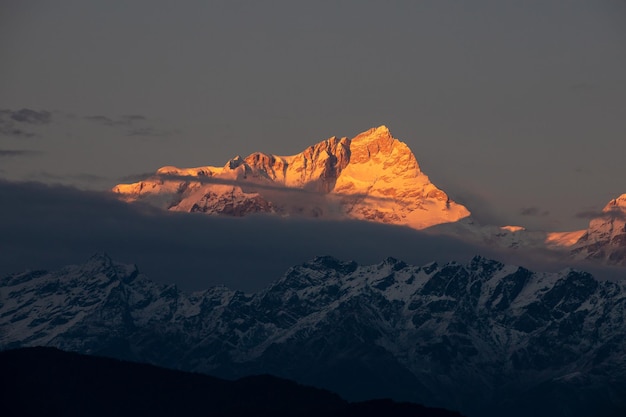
column 372, row 177
column 376, row 133
column 618, row 203
column 605, row 238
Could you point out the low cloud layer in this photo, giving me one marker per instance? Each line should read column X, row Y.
column 30, row 116
column 608, row 215
column 51, row 226
column 133, row 124
column 534, row 212
column 126, row 120
column 12, row 122
column 10, row 153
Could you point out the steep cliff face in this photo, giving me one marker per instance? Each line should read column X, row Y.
column 314, row 169
column 383, row 183
column 371, row 177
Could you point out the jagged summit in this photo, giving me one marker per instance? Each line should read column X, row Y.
column 99, row 260
column 380, row 135
column 372, row 177
column 605, row 238
column 487, row 338
column 616, row 203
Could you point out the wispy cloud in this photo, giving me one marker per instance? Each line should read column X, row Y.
column 608, row 215
column 133, row 117
column 252, row 186
column 30, row 116
column 81, row 177
column 101, row 120
column 12, row 121
column 10, row 153
column 135, row 177
column 533, row 212
column 147, row 131
column 9, row 130
column 89, row 178
column 125, row 120
column 134, row 124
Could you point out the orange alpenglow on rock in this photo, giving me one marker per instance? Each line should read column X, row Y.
column 371, row 177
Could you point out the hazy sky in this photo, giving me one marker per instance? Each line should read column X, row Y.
column 516, row 109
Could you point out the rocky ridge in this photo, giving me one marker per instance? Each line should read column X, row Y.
column 372, row 177
column 481, row 337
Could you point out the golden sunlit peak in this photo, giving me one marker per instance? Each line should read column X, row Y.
column 371, row 177
column 618, row 202
column 513, row 229
column 374, row 134
column 381, row 130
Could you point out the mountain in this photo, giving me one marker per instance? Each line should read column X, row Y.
column 484, row 338
column 371, row 177
column 50, row 382
column 605, row 239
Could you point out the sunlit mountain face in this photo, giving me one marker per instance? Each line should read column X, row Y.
column 372, row 177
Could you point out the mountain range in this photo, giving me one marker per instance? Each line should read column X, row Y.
column 484, row 338
column 372, row 177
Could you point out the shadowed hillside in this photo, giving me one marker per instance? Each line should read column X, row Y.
column 50, row 382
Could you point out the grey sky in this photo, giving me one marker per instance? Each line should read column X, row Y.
column 517, row 109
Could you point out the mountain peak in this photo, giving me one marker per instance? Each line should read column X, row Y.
column 234, row 162
column 605, row 238
column 99, row 260
column 616, row 203
column 372, row 177
column 374, row 133
column 377, row 135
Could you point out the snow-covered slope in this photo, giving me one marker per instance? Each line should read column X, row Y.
column 605, row 239
column 481, row 337
column 371, row 177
